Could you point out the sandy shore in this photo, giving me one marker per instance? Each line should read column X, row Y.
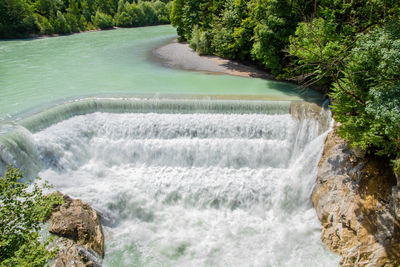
column 180, row 55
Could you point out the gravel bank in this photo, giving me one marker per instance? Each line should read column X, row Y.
column 180, row 55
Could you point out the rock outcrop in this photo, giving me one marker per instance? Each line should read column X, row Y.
column 353, row 200
column 80, row 236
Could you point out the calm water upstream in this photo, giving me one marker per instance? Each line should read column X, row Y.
column 179, row 180
column 40, row 72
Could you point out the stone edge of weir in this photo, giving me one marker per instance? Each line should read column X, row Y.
column 79, row 234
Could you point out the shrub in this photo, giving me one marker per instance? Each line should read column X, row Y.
column 200, row 41
column 102, row 20
column 123, row 20
column 44, row 25
column 23, row 207
column 366, row 99
column 61, row 25
column 162, row 12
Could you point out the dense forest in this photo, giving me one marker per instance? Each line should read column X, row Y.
column 351, row 49
column 21, row 18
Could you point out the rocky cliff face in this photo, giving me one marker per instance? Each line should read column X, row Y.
column 353, row 200
column 80, row 236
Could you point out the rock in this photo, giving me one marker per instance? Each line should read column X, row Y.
column 81, row 236
column 396, row 200
column 70, row 254
column 353, row 200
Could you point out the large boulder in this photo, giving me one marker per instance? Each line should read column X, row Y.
column 353, row 200
column 81, row 241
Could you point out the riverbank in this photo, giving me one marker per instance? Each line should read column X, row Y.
column 181, row 56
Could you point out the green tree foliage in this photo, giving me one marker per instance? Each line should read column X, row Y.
column 200, row 41
column 277, row 22
column 177, row 17
column 231, row 30
column 61, row 25
column 44, row 25
column 348, row 47
column 102, row 20
column 16, row 17
column 23, row 208
column 162, row 12
column 353, row 47
column 141, row 13
column 19, row 18
column 186, row 14
column 256, row 30
column 319, row 50
column 372, row 73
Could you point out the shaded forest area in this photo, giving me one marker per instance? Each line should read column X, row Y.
column 351, row 48
column 22, row 18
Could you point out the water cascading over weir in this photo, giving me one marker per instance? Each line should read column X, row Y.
column 184, row 182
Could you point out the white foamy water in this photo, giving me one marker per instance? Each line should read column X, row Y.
column 193, row 189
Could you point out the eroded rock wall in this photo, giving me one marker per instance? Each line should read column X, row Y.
column 79, row 234
column 353, row 200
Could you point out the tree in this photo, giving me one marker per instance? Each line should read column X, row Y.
column 200, row 41
column 16, row 18
column 255, row 30
column 102, row 20
column 149, row 15
column 61, row 25
column 231, row 31
column 371, row 72
column 20, row 18
column 177, row 17
column 23, row 207
column 276, row 21
column 162, row 12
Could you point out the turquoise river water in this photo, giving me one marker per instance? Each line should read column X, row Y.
column 38, row 73
column 185, row 168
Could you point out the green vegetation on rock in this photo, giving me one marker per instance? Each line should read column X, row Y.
column 23, row 207
column 354, row 50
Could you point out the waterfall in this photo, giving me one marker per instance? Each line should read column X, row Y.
column 67, row 110
column 17, row 148
column 186, row 182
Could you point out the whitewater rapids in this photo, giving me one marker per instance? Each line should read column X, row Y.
column 191, row 189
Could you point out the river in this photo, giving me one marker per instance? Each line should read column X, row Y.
column 184, row 171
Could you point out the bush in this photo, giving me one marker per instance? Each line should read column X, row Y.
column 61, row 25
column 162, row 12
column 23, row 208
column 102, row 20
column 194, row 41
column 137, row 15
column 200, row 41
column 16, row 19
column 150, row 16
column 73, row 22
column 123, row 20
column 44, row 25
column 366, row 100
